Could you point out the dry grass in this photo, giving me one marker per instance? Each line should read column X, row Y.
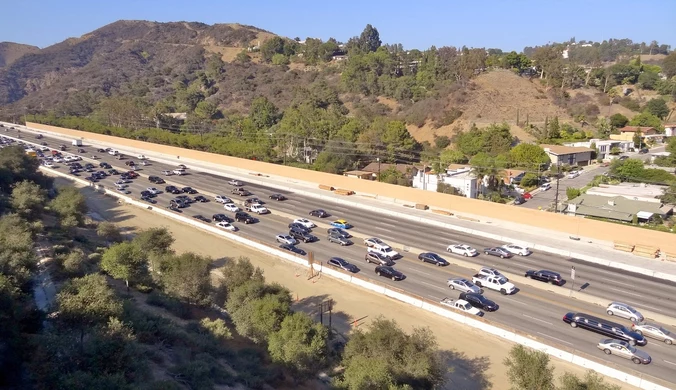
column 228, row 54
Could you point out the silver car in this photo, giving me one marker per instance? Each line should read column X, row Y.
column 464, row 285
column 623, row 349
column 654, row 331
column 625, row 311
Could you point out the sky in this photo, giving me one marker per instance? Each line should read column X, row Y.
column 504, row 24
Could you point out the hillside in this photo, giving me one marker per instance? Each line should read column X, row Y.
column 10, row 52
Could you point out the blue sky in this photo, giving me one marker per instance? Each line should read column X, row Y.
column 505, row 24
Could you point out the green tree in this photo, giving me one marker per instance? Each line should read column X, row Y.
column 154, row 240
column 385, row 357
column 280, row 59
column 603, row 128
column 28, row 199
column 572, row 193
column 17, row 257
column 186, row 277
column 70, row 205
column 17, row 166
column 648, row 80
column 263, row 113
column 109, row 232
column 442, row 142
column 398, row 140
column 125, row 261
column 529, row 369
column 618, row 120
column 669, row 65
column 300, row 343
column 206, row 110
column 646, row 119
column 259, row 318
column 76, row 263
column 452, row 156
column 657, row 107
column 274, row 45
column 488, row 168
column 528, row 156
column 591, row 381
column 369, row 40
column 529, row 180
column 236, row 273
column 393, row 176
column 638, row 140
column 628, row 170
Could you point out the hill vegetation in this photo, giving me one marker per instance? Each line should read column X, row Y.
column 10, row 52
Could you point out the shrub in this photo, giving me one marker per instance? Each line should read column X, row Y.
column 59, row 250
column 630, row 103
column 572, row 193
column 171, row 305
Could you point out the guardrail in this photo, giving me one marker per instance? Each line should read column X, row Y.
column 633, row 378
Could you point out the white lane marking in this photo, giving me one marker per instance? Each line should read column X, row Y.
column 434, row 297
column 554, row 338
column 419, row 272
column 646, row 306
column 515, row 301
column 537, row 319
column 625, row 292
column 435, row 286
column 668, row 362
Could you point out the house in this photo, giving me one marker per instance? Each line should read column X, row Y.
column 670, row 129
column 462, row 179
column 359, row 175
column 633, row 191
column 616, row 208
column 603, row 147
column 375, row 168
column 570, row 155
column 627, row 132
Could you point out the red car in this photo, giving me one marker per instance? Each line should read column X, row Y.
column 132, row 174
column 527, row 195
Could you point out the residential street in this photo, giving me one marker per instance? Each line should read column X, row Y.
column 544, row 199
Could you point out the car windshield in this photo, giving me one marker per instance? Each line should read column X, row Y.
column 501, row 281
column 664, row 331
column 466, row 306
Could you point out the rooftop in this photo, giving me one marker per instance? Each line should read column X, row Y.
column 455, row 167
column 357, row 173
column 629, row 190
column 560, row 149
column 633, row 129
column 618, row 207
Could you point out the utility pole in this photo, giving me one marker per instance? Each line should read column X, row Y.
column 378, row 159
column 556, row 197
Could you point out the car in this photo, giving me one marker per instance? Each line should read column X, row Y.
column 625, row 311
column 377, row 258
column 479, row 301
column 545, row 187
column 462, row 249
column 48, row 164
column 386, row 251
column 654, row 331
column 546, row 276
column 278, row 197
column 293, row 248
column 231, row 207
column 113, row 172
column 341, row 224
column 286, row 239
column 253, row 200
column 156, row 179
column 573, row 174
column 172, row 190
column 337, row 231
column 305, row 222
column 241, row 216
column 130, row 163
column 623, row 349
column 122, row 180
column 517, row 249
column 389, row 272
column 235, row 183
column 221, row 218
column 433, row 258
column 339, row 240
column 499, row 252
column 201, row 199
column 167, row 173
column 144, row 193
column 319, row 213
column 101, row 150
column 202, row 218
column 373, row 241
column 464, row 285
column 302, row 236
column 222, row 199
column 142, row 157
column 604, row 327
column 181, row 166
column 227, row 226
column 189, row 190
column 132, row 174
column 148, row 199
column 241, row 191
column 119, row 189
column 345, row 265
column 185, row 198
column 298, row 227
column 258, row 209
column 154, row 190
column 519, row 200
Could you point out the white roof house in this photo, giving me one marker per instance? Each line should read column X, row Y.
column 459, row 178
column 633, row 191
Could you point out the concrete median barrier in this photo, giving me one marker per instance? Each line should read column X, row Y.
column 325, row 187
column 623, row 246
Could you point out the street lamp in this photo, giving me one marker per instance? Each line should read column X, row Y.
column 378, row 159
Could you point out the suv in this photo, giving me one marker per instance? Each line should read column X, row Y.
column 302, row 236
column 241, row 192
column 172, row 190
column 244, row 217
column 376, row 258
column 550, row 277
column 604, row 327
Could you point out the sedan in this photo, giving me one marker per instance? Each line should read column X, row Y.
column 222, row 199
column 189, row 190
column 227, row 226
column 319, row 213
column 231, row 207
column 339, row 263
column 464, row 285
column 499, row 252
column 389, row 272
column 623, row 349
column 292, row 248
column 341, row 224
column 235, row 183
column 462, row 249
column 433, row 258
column 278, row 197
column 154, row 190
column 148, row 199
column 479, row 301
column 339, row 240
column 120, row 190
column 492, row 272
column 338, row 232
column 286, row 239
column 113, row 172
column 377, row 258
column 373, row 241
column 201, row 218
column 305, row 222
column 298, row 227
column 654, row 331
column 625, row 311
column 546, row 276
column 201, row 199
column 172, row 190
column 221, row 218
column 517, row 249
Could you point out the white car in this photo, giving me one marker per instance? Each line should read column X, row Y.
column 517, row 249
column 545, row 187
column 153, row 190
column 464, row 285
column 231, row 207
column 227, row 226
column 142, row 157
column 235, row 183
column 167, row 173
column 462, row 249
column 305, row 222
column 222, row 199
column 373, row 241
column 48, row 164
column 286, row 239
column 113, row 152
column 573, row 174
column 258, row 209
column 492, row 272
column 57, row 159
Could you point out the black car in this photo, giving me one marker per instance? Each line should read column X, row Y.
column 189, row 190
column 604, row 327
column 377, row 258
column 113, row 172
column 125, row 176
column 389, row 272
column 241, row 216
column 302, row 236
column 172, row 190
column 298, row 227
column 499, row 252
column 293, row 249
column 277, row 197
column 433, row 258
column 102, row 173
column 545, row 276
column 185, row 198
column 103, row 165
column 146, row 194
column 253, row 201
column 156, row 179
column 201, row 199
column 221, row 218
column 339, row 240
column 148, row 199
column 89, row 166
column 101, row 150
column 338, row 232
column 202, row 218
column 319, row 213
column 519, row 200
column 345, row 265
column 479, row 301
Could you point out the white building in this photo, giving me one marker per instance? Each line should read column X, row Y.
column 459, row 178
column 634, row 191
column 604, row 146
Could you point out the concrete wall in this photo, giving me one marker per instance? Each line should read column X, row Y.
column 568, row 225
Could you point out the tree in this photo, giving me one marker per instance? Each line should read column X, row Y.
column 154, row 240
column 369, row 40
column 646, row 119
column 109, row 232
column 603, row 128
column 17, row 257
column 618, row 120
column 28, row 199
column 259, row 318
column 386, row 357
column 637, row 139
column 217, row 328
column 125, row 261
column 393, row 176
column 572, row 193
column 280, row 59
column 591, row 381
column 76, row 263
column 669, row 65
column 272, row 46
column 71, row 206
column 186, row 277
column 452, row 156
column 243, row 57
column 529, row 180
column 529, row 369
column 442, row 142
column 17, row 166
column 488, row 169
column 300, row 343
column 206, row 109
column 528, row 156
column 657, row 107
column 263, row 113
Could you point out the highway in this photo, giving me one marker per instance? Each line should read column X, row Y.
column 531, row 310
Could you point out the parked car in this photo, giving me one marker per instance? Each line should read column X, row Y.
column 293, row 248
column 462, row 249
column 479, row 301
column 337, row 231
column 625, row 311
column 278, row 197
column 339, row 240
column 623, row 349
column 319, row 213
column 376, row 258
column 389, row 272
column 341, row 224
column 463, row 285
column 373, row 241
column 546, row 187
column 222, row 199
column 432, row 258
column 517, row 249
column 231, row 207
column 345, row 265
column 286, row 239
column 654, row 331
column 305, row 222
column 499, row 252
column 546, row 276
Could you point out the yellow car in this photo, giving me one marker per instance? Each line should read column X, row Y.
column 341, row 224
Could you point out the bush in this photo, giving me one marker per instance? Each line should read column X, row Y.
column 216, row 328
column 630, row 103
column 94, row 257
column 76, row 263
column 572, row 193
column 58, row 250
column 175, row 307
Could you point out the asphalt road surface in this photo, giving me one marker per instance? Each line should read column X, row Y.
column 530, row 310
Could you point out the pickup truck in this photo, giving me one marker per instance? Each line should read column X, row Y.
column 384, row 250
column 462, row 305
column 257, row 208
column 494, row 283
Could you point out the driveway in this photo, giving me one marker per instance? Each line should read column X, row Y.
column 543, row 200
